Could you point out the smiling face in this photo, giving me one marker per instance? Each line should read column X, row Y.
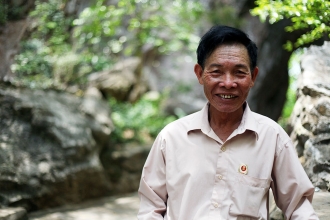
column 227, row 78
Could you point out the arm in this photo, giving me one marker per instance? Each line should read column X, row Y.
column 152, row 190
column 293, row 191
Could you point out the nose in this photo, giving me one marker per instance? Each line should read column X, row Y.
column 228, row 81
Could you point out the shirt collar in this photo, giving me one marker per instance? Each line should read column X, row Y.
column 200, row 121
column 248, row 122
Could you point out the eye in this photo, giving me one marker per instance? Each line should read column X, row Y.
column 214, row 72
column 241, row 72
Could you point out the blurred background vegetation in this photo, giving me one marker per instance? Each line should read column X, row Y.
column 62, row 49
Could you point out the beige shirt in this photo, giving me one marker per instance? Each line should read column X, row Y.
column 190, row 174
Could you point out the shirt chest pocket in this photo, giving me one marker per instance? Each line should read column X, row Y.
column 247, row 195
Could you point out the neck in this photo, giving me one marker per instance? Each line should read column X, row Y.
column 223, row 124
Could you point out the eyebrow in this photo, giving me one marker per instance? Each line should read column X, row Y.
column 237, row 65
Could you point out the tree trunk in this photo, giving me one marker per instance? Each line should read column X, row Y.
column 268, row 96
column 13, row 24
column 10, row 36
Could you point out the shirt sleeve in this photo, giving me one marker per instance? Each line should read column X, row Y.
column 152, row 191
column 293, row 191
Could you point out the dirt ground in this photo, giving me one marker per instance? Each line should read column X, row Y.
column 125, row 208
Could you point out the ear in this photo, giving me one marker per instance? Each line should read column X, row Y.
column 254, row 75
column 199, row 73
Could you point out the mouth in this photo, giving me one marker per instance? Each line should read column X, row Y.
column 226, row 96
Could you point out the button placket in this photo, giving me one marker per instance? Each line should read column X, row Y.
column 216, row 202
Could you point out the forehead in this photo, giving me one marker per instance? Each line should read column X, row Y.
column 232, row 53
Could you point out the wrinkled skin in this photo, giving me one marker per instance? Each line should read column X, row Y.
column 227, row 79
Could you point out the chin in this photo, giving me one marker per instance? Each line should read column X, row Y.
column 227, row 109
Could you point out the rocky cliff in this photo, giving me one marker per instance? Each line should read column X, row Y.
column 311, row 115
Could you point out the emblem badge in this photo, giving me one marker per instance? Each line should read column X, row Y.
column 243, row 168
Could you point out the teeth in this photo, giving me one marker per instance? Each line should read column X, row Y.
column 227, row 96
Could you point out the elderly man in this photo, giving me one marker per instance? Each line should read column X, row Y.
column 220, row 162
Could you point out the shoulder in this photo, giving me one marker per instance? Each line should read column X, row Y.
column 181, row 125
column 265, row 122
column 174, row 131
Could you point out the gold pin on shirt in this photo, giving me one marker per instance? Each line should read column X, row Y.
column 243, row 168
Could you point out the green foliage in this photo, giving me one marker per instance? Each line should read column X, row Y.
column 3, row 12
column 128, row 27
column 311, row 15
column 69, row 69
column 220, row 13
column 141, row 121
column 103, row 34
column 33, row 59
column 294, row 71
column 12, row 10
column 288, row 107
column 49, row 39
column 52, row 25
column 183, row 87
column 46, row 58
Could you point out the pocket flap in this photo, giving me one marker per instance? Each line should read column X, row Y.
column 252, row 181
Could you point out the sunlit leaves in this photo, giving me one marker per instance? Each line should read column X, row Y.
column 104, row 33
column 310, row 15
column 49, row 39
column 139, row 121
column 52, row 24
column 129, row 26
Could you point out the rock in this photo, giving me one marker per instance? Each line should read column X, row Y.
column 124, row 166
column 17, row 213
column 310, row 118
column 182, row 105
column 56, row 149
column 321, row 201
column 93, row 92
column 123, row 81
column 50, row 143
column 67, row 69
column 274, row 212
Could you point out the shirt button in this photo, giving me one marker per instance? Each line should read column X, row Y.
column 223, row 149
column 216, row 205
column 220, row 177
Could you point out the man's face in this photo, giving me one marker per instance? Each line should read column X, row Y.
column 227, row 77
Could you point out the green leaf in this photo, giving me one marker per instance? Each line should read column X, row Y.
column 304, row 14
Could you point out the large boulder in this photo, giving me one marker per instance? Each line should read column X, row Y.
column 310, row 119
column 50, row 143
column 124, row 81
column 123, row 165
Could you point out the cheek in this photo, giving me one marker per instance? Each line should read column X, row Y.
column 246, row 84
column 208, row 80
